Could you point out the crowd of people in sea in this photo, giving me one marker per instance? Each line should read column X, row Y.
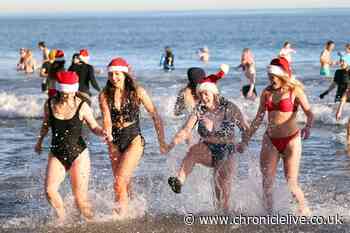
column 68, row 108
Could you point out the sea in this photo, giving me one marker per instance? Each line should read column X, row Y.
column 140, row 38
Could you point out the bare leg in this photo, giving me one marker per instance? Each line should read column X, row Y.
column 291, row 163
column 55, row 174
column 348, row 138
column 127, row 164
column 80, row 172
column 269, row 158
column 223, row 175
column 198, row 153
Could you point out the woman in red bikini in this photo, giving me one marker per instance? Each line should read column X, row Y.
column 283, row 137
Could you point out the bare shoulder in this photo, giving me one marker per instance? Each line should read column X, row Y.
column 298, row 92
column 141, row 92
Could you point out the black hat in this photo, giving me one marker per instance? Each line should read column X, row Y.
column 195, row 75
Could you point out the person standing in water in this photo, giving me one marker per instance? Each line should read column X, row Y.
column 203, row 54
column 86, row 75
column 65, row 114
column 57, row 65
column 341, row 81
column 120, row 103
column 345, row 56
column 216, row 118
column 167, row 59
column 345, row 98
column 282, row 139
column 22, row 55
column 325, row 59
column 45, row 69
column 29, row 62
column 248, row 66
column 287, row 51
column 45, row 51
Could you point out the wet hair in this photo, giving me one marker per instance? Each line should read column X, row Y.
column 130, row 87
column 347, row 46
column 75, row 56
column 41, row 44
column 329, row 43
column 286, row 43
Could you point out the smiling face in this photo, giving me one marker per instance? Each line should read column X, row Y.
column 117, row 78
column 276, row 82
column 207, row 98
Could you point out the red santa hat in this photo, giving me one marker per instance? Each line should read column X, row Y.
column 84, row 54
column 59, row 56
column 280, row 67
column 118, row 64
column 208, row 84
column 67, row 81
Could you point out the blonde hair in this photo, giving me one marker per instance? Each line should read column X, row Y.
column 291, row 83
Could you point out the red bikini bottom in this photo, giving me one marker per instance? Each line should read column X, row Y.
column 281, row 143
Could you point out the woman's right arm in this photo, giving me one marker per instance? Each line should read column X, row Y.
column 184, row 132
column 259, row 115
column 106, row 115
column 44, row 129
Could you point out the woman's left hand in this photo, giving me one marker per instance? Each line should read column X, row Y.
column 305, row 132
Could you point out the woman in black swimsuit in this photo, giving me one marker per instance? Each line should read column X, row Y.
column 65, row 114
column 120, row 104
column 216, row 118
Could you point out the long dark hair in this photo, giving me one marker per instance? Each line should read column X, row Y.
column 130, row 93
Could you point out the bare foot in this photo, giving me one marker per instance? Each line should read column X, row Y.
column 118, row 213
column 87, row 213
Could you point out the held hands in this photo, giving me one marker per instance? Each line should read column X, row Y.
column 107, row 137
column 305, row 132
column 165, row 148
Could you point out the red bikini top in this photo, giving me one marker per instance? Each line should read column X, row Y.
column 284, row 105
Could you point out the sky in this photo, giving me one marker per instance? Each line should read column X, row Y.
column 46, row 6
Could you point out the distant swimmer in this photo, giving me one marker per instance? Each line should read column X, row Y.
column 86, row 75
column 120, row 103
column 45, row 70
column 65, row 114
column 248, row 66
column 187, row 97
column 282, row 139
column 45, row 51
column 216, row 118
column 21, row 62
column 326, row 60
column 287, row 51
column 341, row 80
column 203, row 54
column 167, row 59
column 30, row 63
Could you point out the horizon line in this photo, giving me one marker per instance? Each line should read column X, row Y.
column 86, row 12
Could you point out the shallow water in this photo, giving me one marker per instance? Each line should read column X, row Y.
column 324, row 176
